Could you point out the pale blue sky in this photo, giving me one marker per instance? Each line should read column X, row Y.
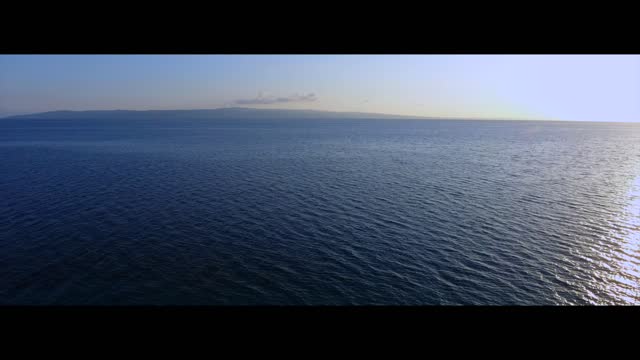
column 561, row 87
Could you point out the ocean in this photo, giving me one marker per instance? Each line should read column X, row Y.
column 319, row 212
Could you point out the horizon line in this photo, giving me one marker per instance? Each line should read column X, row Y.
column 414, row 117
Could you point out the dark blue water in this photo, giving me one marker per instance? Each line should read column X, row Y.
column 319, row 212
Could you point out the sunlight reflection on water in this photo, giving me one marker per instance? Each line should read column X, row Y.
column 626, row 283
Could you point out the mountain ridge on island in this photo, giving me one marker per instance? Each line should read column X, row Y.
column 220, row 113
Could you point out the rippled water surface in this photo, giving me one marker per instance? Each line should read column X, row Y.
column 319, row 212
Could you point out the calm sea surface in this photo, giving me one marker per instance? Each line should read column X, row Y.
column 319, row 212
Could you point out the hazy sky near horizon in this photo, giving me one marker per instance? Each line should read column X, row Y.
column 553, row 87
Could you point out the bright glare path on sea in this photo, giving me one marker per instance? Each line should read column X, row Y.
column 625, row 287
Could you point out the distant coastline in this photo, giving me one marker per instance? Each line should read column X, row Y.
column 220, row 113
column 244, row 113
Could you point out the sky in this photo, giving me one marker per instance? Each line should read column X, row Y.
column 544, row 87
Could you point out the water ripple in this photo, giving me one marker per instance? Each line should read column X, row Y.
column 318, row 213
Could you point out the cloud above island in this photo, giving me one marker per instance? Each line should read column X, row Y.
column 267, row 100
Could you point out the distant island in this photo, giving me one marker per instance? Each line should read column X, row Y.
column 204, row 114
